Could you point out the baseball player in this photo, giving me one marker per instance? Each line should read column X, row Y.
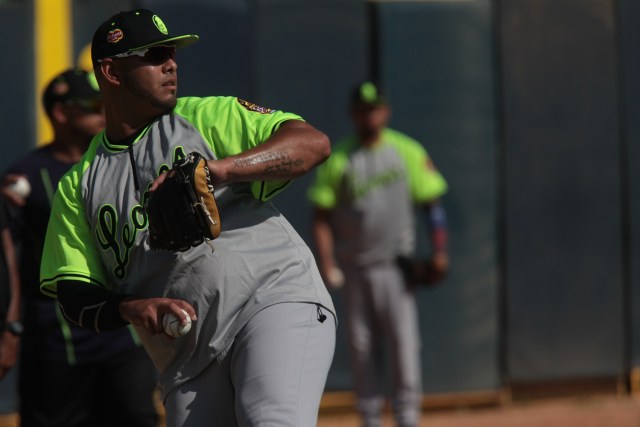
column 364, row 198
column 263, row 325
column 9, row 296
column 70, row 376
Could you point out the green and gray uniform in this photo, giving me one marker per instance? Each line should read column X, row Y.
column 371, row 193
column 98, row 233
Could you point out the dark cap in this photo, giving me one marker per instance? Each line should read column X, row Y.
column 369, row 93
column 133, row 30
column 74, row 84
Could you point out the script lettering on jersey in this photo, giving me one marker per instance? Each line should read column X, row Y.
column 107, row 235
column 361, row 189
column 107, row 227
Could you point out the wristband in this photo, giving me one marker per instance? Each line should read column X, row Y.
column 90, row 306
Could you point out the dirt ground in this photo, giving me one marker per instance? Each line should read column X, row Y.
column 596, row 411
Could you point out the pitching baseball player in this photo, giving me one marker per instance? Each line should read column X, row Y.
column 365, row 196
column 263, row 325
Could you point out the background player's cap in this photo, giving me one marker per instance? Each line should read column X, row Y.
column 133, row 30
column 369, row 93
column 75, row 85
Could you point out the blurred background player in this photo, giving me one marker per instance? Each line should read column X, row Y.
column 70, row 376
column 365, row 197
column 10, row 325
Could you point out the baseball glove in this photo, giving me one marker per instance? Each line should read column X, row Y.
column 421, row 272
column 182, row 212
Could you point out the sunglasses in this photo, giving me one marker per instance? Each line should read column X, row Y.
column 155, row 55
column 91, row 106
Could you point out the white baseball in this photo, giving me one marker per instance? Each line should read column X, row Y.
column 173, row 325
column 21, row 187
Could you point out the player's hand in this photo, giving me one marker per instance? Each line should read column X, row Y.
column 146, row 313
column 159, row 180
column 438, row 267
column 332, row 276
column 8, row 352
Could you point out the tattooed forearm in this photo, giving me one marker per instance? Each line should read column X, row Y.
column 261, row 158
column 275, row 162
column 285, row 166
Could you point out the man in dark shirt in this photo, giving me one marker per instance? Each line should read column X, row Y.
column 70, row 376
column 9, row 297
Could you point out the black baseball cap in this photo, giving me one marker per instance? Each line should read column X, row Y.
column 369, row 93
column 74, row 84
column 133, row 30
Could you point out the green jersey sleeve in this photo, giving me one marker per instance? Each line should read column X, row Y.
column 323, row 191
column 424, row 180
column 426, row 183
column 74, row 257
column 231, row 126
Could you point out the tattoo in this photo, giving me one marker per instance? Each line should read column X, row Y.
column 261, row 158
column 280, row 162
column 286, row 166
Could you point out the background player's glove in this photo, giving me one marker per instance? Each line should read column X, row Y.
column 182, row 212
column 424, row 272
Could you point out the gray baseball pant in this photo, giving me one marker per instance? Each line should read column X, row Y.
column 274, row 375
column 381, row 311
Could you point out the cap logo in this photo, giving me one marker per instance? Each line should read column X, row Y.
column 160, row 25
column 368, row 92
column 114, row 36
column 60, row 88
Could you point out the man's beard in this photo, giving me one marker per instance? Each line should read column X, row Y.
column 367, row 132
column 166, row 104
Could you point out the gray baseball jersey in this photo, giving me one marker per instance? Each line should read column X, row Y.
column 372, row 191
column 98, row 233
